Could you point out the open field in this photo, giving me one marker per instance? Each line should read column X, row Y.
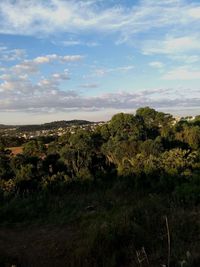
column 16, row 150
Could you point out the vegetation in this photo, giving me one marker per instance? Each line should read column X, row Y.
column 112, row 190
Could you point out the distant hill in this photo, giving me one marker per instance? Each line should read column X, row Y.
column 3, row 126
column 47, row 126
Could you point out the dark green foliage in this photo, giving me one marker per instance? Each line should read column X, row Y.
column 5, row 170
column 34, row 148
column 159, row 155
column 11, row 141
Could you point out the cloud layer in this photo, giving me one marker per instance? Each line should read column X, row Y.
column 21, row 94
column 49, row 17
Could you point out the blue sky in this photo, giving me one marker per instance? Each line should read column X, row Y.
column 66, row 59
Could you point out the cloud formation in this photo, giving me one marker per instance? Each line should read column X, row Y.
column 32, row 66
column 103, row 71
column 17, row 79
column 156, row 64
column 44, row 96
column 172, row 45
column 19, row 92
column 182, row 73
column 89, row 85
column 11, row 54
column 29, row 17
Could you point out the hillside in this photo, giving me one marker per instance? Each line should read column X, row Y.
column 101, row 197
column 97, row 225
column 46, row 126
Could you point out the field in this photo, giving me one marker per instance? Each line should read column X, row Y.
column 16, row 150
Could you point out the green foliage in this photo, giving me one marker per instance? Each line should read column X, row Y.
column 126, row 126
column 115, row 183
column 155, row 121
column 34, row 148
column 159, row 155
column 27, row 179
column 11, row 141
column 152, row 147
column 5, row 170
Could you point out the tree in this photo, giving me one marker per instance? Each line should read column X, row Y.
column 126, row 126
column 52, row 164
column 176, row 161
column 27, row 179
column 118, row 151
column 79, row 152
column 105, row 132
column 155, row 121
column 192, row 136
column 34, row 148
column 152, row 147
column 5, row 169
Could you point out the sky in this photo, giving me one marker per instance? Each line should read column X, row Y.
column 90, row 59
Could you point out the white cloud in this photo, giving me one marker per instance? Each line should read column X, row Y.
column 171, row 45
column 57, row 78
column 7, row 54
column 182, row 73
column 32, row 66
column 176, row 23
column 73, row 58
column 54, row 57
column 72, row 42
column 123, row 68
column 89, row 85
column 187, row 59
column 103, row 71
column 15, row 86
column 99, row 72
column 42, row 60
column 156, row 64
column 61, row 76
column 53, row 16
column 194, row 12
column 26, row 66
column 21, row 94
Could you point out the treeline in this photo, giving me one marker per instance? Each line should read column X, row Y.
column 158, row 154
column 46, row 126
column 11, row 141
column 52, row 125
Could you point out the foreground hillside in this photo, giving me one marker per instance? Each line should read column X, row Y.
column 100, row 198
column 100, row 225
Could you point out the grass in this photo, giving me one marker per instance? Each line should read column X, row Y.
column 98, row 225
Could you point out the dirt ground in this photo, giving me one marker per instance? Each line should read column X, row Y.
column 34, row 246
column 16, row 150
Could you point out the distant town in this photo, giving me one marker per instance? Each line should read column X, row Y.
column 57, row 128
